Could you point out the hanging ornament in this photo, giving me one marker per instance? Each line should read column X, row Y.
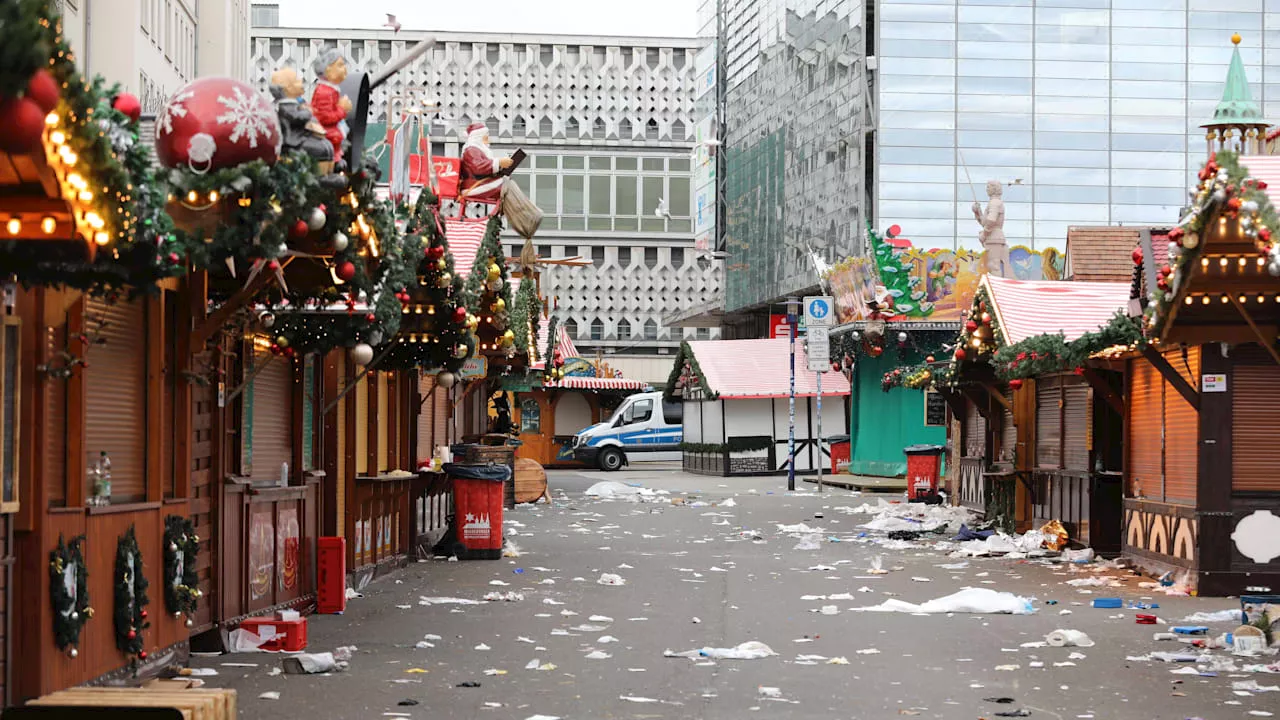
column 1015, row 383
column 282, row 341
column 43, row 89
column 340, row 242
column 445, row 280
column 299, row 230
column 24, row 124
column 960, row 354
column 494, row 285
column 346, row 271
column 902, row 338
column 446, row 379
column 499, row 305
column 214, row 123
column 442, row 264
column 929, row 359
column 435, row 252
column 316, row 220
column 142, row 654
column 73, row 653
column 495, row 272
column 460, row 351
column 460, row 315
column 508, row 337
column 1191, row 240
column 971, row 325
column 127, row 104
column 986, row 318
column 362, row 354
column 835, row 367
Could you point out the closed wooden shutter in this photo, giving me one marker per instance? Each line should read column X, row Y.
column 310, row 391
column 1077, row 412
column 975, row 432
column 1255, row 418
column 115, row 385
column 1182, row 432
column 1008, row 431
column 168, row 466
column 1049, row 422
column 55, row 425
column 272, row 417
column 443, row 402
column 427, row 432
column 362, row 426
column 340, row 412
column 1146, row 431
column 383, row 422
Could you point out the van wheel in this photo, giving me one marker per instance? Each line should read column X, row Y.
column 611, row 459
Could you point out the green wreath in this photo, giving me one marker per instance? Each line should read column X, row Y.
column 70, row 609
column 131, row 597
column 181, row 546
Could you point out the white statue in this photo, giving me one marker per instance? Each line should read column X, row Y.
column 992, row 233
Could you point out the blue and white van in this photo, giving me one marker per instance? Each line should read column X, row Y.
column 643, row 428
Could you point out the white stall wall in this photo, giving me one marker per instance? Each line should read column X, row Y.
column 693, row 422
column 746, row 418
column 712, row 422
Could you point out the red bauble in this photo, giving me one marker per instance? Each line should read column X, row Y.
column 1137, row 256
column 288, row 352
column 1265, row 234
column 346, row 271
column 215, row 123
column 274, row 265
column 142, row 654
column 929, row 359
column 1166, row 270
column 299, row 230
column 44, row 90
column 174, row 258
column 1079, row 371
column 895, row 231
column 21, row 125
column 371, row 317
column 971, row 325
column 143, row 614
column 1261, row 184
column 459, row 314
column 275, row 349
column 128, row 104
column 436, row 252
column 835, row 367
column 132, row 634
column 960, row 353
column 1015, row 383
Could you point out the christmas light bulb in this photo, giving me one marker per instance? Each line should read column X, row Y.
column 57, row 137
column 192, row 197
column 101, row 237
column 14, row 226
column 48, row 224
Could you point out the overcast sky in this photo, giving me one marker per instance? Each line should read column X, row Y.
column 650, row 18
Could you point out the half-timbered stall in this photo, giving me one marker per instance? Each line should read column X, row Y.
column 1036, row 420
column 737, row 412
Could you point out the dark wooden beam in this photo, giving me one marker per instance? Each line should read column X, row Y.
column 999, row 397
column 954, row 400
column 215, row 320
column 1109, row 394
column 1263, row 340
column 980, row 400
column 1170, row 374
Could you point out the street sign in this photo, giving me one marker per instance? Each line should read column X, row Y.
column 819, row 342
column 819, row 310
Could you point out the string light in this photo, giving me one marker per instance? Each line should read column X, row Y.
column 48, row 224
column 1188, row 300
column 14, row 226
column 1204, row 299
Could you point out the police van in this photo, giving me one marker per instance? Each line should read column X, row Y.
column 643, row 428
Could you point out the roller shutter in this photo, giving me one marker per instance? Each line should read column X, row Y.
column 975, row 432
column 1008, row 430
column 1049, row 423
column 1255, row 419
column 1077, row 413
column 115, row 383
column 1182, row 432
column 362, row 425
column 1145, row 445
column 272, row 417
column 55, row 424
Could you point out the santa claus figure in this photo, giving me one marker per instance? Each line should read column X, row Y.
column 481, row 179
column 328, row 104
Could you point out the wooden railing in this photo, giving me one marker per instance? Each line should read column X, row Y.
column 432, row 508
column 269, row 537
column 381, row 519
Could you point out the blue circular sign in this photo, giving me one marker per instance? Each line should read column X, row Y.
column 818, row 308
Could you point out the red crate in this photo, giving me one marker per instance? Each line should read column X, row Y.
column 331, row 562
column 290, row 635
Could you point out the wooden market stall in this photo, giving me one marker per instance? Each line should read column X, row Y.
column 736, row 408
column 1036, row 423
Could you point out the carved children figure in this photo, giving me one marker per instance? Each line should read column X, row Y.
column 299, row 129
column 328, row 104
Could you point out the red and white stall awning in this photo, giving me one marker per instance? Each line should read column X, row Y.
column 597, row 383
column 1026, row 308
column 760, row 369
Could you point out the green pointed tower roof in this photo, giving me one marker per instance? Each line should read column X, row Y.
column 1237, row 106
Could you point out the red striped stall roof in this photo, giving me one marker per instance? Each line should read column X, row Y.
column 760, row 369
column 1026, row 308
column 464, row 237
column 1267, row 169
column 595, row 383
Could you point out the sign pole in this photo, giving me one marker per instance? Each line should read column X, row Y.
column 791, row 402
column 820, row 463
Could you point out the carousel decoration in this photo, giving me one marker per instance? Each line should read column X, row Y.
column 181, row 546
column 69, row 593
column 130, row 598
column 81, row 208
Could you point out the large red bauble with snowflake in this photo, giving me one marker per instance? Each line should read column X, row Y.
column 216, row 123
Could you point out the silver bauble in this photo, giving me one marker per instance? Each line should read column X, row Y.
column 495, row 285
column 362, row 354
column 340, row 242
column 446, row 379
column 73, row 652
column 1249, row 206
column 316, row 220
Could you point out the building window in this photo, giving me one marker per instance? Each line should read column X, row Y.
column 624, row 129
column 597, row 128
column 650, row 329
column 545, row 127
column 703, row 333
column 624, row 257
column 677, row 258
column 518, row 127
column 624, row 329
column 651, row 258
column 651, row 130
column 571, row 127
column 597, row 330
column 597, row 256
column 571, row 328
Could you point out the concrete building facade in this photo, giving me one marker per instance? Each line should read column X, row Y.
column 607, row 123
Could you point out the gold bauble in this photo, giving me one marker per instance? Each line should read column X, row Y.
column 445, row 280
column 1190, row 240
column 442, row 264
column 282, row 341
column 499, row 305
column 495, row 272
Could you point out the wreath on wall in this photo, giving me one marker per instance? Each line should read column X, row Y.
column 181, row 545
column 131, row 597
column 69, row 591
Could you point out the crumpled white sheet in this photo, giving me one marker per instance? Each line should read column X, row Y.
column 1001, row 544
column 750, row 650
column 914, row 516
column 969, row 600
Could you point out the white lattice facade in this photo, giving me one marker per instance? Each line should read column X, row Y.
column 608, row 125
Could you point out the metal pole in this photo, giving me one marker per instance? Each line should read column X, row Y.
column 820, row 431
column 791, row 410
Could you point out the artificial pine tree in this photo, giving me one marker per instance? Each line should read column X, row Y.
column 435, row 327
column 489, row 294
column 897, row 280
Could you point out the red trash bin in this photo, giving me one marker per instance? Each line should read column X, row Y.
column 839, row 453
column 331, row 585
column 477, row 510
column 923, row 465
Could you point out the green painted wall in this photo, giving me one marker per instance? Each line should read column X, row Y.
column 882, row 424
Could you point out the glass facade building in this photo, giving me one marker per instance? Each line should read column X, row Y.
column 1087, row 110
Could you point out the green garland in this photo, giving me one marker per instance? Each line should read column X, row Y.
column 70, row 613
column 141, row 249
column 897, row 279
column 1044, row 354
column 526, row 313
column 686, row 370
column 550, row 366
column 486, row 303
column 131, row 597
column 181, row 543
column 1225, row 190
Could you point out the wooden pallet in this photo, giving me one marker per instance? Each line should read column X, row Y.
column 193, row 703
